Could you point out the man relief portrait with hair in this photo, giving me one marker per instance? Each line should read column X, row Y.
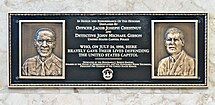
column 179, row 63
column 46, row 63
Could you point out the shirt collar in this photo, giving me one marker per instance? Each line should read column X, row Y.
column 173, row 59
column 47, row 62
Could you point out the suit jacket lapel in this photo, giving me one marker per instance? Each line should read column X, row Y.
column 178, row 62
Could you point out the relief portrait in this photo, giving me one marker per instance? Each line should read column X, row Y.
column 175, row 49
column 42, row 48
column 178, row 63
column 46, row 63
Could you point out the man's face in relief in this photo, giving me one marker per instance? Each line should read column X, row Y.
column 45, row 43
column 174, row 43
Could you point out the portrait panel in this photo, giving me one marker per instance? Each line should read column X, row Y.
column 41, row 53
column 169, row 36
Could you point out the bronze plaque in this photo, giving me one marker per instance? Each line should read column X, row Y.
column 108, row 49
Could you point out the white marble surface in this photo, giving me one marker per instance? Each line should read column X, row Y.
column 116, row 96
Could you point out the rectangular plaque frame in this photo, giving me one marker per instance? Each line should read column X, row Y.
column 131, row 47
column 63, row 44
column 196, row 48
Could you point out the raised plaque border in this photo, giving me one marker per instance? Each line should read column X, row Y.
column 10, row 85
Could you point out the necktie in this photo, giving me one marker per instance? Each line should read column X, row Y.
column 43, row 69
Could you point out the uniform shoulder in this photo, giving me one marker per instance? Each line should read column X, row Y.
column 57, row 60
column 31, row 59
